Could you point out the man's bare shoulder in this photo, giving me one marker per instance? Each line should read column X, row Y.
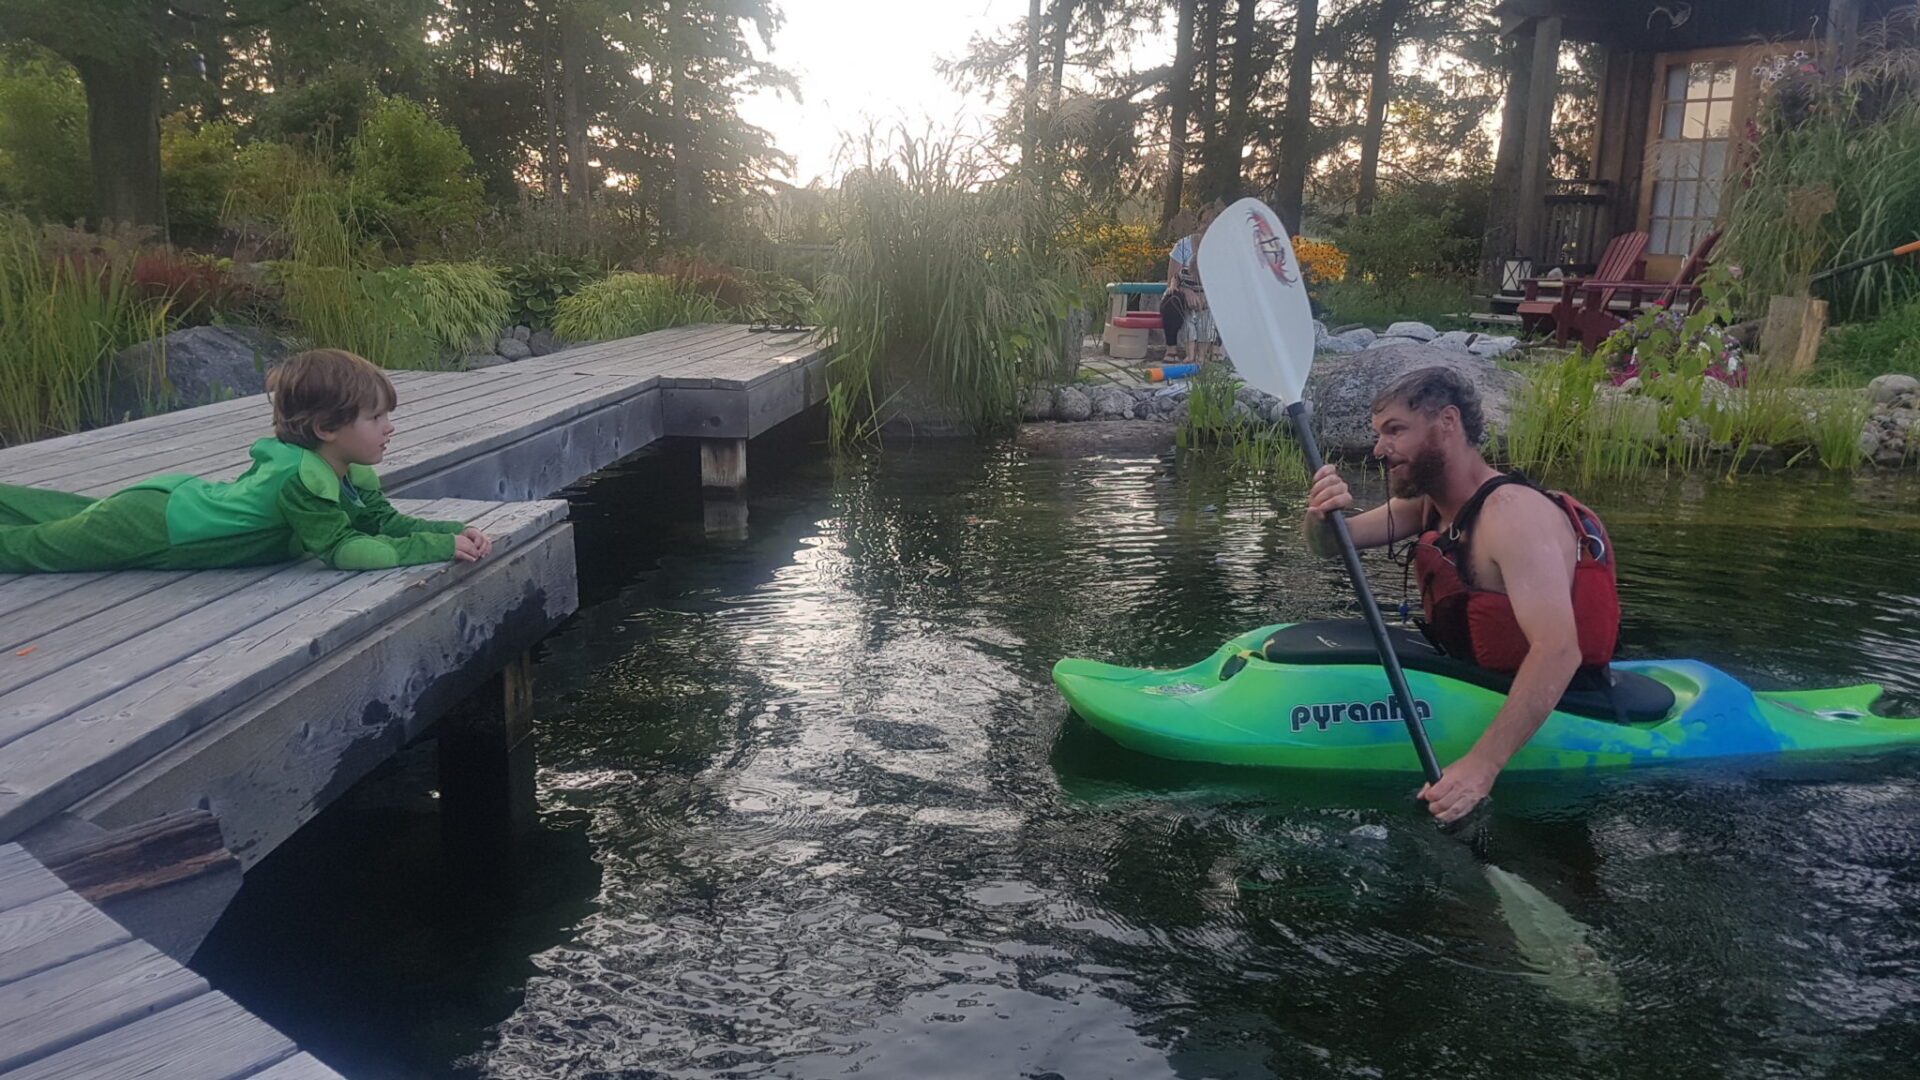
column 1517, row 512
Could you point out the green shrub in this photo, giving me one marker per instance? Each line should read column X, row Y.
column 1853, row 354
column 198, row 167
column 626, row 304
column 1409, row 236
column 779, row 302
column 1424, row 299
column 44, row 163
column 329, row 109
column 62, row 320
column 537, row 283
column 412, row 174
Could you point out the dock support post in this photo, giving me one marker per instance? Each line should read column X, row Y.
column 723, row 464
column 486, row 760
column 723, row 480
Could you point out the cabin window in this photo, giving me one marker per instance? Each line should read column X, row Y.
column 1695, row 131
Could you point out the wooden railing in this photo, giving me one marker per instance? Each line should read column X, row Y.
column 1579, row 224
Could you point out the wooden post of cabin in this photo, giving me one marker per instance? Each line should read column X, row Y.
column 486, row 760
column 1536, row 148
column 1843, row 32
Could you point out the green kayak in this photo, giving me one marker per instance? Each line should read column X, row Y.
column 1313, row 696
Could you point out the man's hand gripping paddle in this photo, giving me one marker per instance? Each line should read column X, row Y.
column 1259, row 301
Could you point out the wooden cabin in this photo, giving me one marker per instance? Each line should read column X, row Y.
column 1680, row 78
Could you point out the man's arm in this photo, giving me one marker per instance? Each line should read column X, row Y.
column 1396, row 519
column 1527, row 538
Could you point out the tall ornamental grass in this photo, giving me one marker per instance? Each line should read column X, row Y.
column 1834, row 176
column 339, row 293
column 945, row 280
column 625, row 304
column 62, row 320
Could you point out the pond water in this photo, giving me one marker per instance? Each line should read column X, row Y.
column 812, row 808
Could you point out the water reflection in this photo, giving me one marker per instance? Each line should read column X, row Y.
column 845, row 826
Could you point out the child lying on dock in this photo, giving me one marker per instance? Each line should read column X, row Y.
column 311, row 491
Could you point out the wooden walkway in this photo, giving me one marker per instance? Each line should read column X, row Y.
column 81, row 998
column 261, row 694
column 518, row 431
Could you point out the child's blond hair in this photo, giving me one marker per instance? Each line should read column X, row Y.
column 325, row 390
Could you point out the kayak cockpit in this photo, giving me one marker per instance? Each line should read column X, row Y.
column 1632, row 698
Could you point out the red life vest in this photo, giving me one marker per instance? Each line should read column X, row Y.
column 1479, row 624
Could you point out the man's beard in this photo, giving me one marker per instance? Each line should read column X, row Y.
column 1425, row 473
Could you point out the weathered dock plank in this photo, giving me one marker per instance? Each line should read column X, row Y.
column 51, row 931
column 82, row 999
column 208, row 1037
column 47, row 1012
column 298, row 1067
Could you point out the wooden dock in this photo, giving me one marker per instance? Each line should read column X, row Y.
column 81, row 998
column 262, row 694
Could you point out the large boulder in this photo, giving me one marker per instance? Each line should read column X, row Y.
column 1071, row 403
column 1885, row 388
column 1110, row 403
column 1342, row 389
column 1413, row 331
column 204, row 364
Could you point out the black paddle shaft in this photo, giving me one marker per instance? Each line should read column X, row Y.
column 1302, row 414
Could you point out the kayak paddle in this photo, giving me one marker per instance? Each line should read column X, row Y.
column 1857, row 264
column 1259, row 300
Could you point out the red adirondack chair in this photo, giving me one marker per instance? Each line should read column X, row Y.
column 1600, row 307
column 1621, row 262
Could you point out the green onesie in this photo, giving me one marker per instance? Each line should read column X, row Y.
column 290, row 503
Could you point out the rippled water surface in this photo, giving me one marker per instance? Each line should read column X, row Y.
column 812, row 808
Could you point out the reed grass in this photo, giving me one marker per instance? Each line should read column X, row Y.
column 944, row 279
column 1565, row 423
column 63, row 319
column 1213, row 421
column 1835, row 176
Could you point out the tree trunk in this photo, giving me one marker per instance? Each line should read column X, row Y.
column 1296, row 155
column 1030, row 104
column 123, row 135
column 1207, row 114
column 1502, row 237
column 551, row 169
column 1386, row 40
column 1239, row 96
column 684, row 173
column 211, row 40
column 1050, row 154
column 572, row 64
column 1180, row 102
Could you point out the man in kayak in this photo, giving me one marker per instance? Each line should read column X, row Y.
column 1512, row 577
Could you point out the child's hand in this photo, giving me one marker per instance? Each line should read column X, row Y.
column 471, row 545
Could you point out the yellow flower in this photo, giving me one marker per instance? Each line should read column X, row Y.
column 1322, row 260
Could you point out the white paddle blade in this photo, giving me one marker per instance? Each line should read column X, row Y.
column 1259, row 298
